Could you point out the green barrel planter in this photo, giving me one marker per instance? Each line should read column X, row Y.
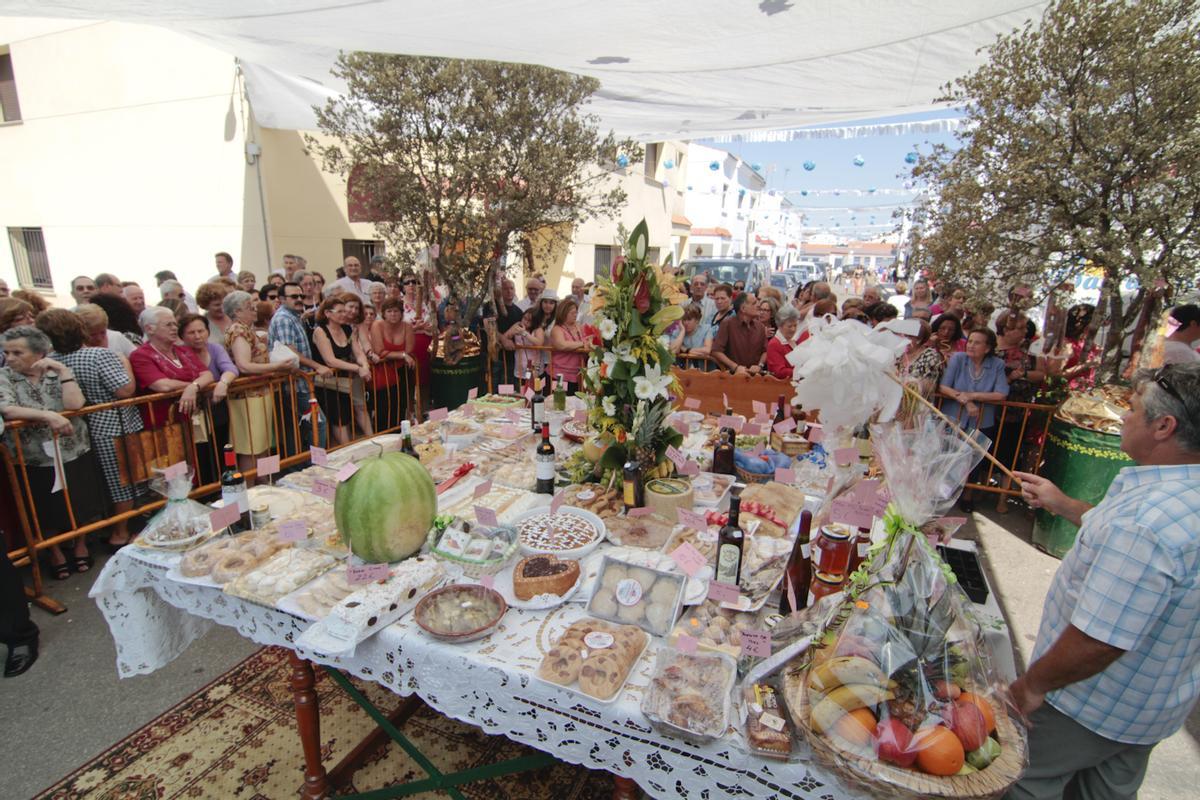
column 1082, row 463
column 451, row 383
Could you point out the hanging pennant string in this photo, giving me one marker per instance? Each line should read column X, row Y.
column 943, row 125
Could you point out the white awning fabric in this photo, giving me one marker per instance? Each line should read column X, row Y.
column 669, row 69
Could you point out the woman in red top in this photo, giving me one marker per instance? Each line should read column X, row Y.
column 392, row 343
column 161, row 364
column 569, row 343
column 787, row 319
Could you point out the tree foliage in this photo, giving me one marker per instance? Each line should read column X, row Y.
column 1081, row 146
column 469, row 158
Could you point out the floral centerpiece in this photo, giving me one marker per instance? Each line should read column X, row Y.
column 630, row 376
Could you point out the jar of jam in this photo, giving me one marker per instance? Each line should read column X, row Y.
column 831, row 552
column 824, row 584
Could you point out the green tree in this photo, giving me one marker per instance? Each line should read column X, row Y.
column 1082, row 145
column 469, row 158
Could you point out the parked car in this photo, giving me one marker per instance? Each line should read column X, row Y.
column 783, row 282
column 752, row 271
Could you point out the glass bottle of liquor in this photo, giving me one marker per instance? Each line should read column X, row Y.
column 560, row 395
column 797, row 575
column 730, row 543
column 780, row 413
column 544, row 462
column 723, row 461
column 633, row 491
column 547, row 383
column 233, row 490
column 406, row 445
column 537, row 407
column 731, row 431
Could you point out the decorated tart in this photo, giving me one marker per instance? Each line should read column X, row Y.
column 544, row 574
column 563, row 532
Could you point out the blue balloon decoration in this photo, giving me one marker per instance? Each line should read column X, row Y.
column 622, row 161
column 859, row 161
column 871, row 190
column 714, row 165
column 809, row 166
column 804, row 192
column 689, row 187
column 911, row 157
column 757, row 167
column 669, row 164
column 741, row 192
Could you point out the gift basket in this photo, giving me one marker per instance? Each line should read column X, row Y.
column 898, row 695
column 182, row 522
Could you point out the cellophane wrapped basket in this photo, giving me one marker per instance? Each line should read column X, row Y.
column 898, row 695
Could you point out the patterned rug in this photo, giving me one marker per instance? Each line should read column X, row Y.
column 236, row 738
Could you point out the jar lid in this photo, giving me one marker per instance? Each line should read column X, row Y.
column 830, row 577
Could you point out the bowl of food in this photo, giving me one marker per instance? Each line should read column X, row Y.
column 460, row 612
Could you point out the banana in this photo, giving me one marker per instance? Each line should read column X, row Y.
column 825, row 715
column 829, row 709
column 845, row 670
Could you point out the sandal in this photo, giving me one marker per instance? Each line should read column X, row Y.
column 83, row 563
column 61, row 571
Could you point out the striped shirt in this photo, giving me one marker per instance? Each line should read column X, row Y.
column 1132, row 580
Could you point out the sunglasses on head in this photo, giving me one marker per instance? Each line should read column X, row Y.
column 1162, row 377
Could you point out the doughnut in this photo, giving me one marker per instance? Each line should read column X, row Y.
column 230, row 566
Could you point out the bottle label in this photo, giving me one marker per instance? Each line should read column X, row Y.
column 629, row 592
column 811, row 599
column 539, row 413
column 236, row 496
column 545, row 467
column 806, row 550
column 630, row 495
column 728, row 559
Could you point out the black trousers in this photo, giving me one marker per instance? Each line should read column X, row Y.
column 15, row 625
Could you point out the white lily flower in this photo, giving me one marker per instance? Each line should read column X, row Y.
column 624, row 351
column 608, row 328
column 653, row 384
column 610, row 406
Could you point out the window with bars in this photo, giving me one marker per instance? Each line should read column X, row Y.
column 10, row 109
column 29, row 255
column 603, row 260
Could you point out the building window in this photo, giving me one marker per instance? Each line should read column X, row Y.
column 651, row 166
column 8, row 89
column 362, row 249
column 602, row 263
column 29, row 255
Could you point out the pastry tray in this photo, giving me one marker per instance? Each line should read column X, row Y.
column 574, row 687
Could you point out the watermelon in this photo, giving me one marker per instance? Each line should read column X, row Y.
column 386, row 508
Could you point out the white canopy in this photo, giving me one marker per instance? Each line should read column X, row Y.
column 668, row 70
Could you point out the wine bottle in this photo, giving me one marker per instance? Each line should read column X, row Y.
column 723, row 461
column 634, row 493
column 729, row 544
column 797, row 575
column 406, row 445
column 560, row 395
column 233, row 491
column 537, row 408
column 731, row 431
column 547, row 384
column 544, row 462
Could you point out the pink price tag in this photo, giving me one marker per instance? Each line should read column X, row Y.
column 487, row 581
column 680, row 426
column 438, row 414
column 486, row 516
column 691, row 519
column 473, row 393
column 224, row 517
column 176, row 470
column 346, row 472
column 366, row 573
column 580, row 417
column 761, row 419
column 483, row 488
column 320, row 458
column 685, row 644
column 507, row 388
column 692, row 403
column 730, row 422
column 787, row 426
column 849, row 513
column 752, row 429
column 677, row 458
column 756, row 643
column 844, row 456
column 293, row 530
column 759, row 406
column 690, row 468
column 758, row 449
column 557, row 501
column 268, row 465
column 509, row 431
column 689, row 559
column 529, row 395
column 816, row 434
column 785, row 475
column 639, row 512
column 723, row 592
column 324, row 489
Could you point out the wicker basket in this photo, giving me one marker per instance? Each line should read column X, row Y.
column 745, row 476
column 470, row 567
column 885, row 780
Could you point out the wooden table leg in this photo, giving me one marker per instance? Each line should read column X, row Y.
column 308, row 723
column 625, row 788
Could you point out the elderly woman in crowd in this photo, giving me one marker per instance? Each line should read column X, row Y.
column 377, row 293
column 246, row 281
column 209, row 297
column 767, row 308
column 251, row 421
column 193, row 332
column 782, row 341
column 392, row 375
column 56, row 451
column 922, row 365
column 95, row 327
column 335, row 346
column 161, row 364
column 974, row 379
column 14, row 312
column 570, row 345
column 104, row 377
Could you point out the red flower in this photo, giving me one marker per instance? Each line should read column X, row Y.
column 618, row 269
column 641, row 296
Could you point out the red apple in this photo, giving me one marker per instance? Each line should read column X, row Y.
column 893, row 743
column 968, row 724
column 945, row 690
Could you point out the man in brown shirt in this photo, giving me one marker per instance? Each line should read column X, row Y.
column 741, row 340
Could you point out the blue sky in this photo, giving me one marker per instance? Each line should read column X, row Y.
column 884, row 168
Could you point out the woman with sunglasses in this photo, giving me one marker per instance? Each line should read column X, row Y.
column 420, row 313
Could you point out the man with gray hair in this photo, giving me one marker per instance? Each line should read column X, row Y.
column 107, row 283
column 136, row 297
column 171, row 290
column 1115, row 667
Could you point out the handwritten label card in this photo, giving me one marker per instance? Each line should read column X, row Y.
column 346, row 472
column 320, row 458
column 737, row 423
column 680, row 426
column 848, row 511
column 176, row 470
column 844, row 456
column 486, row 516
column 685, row 644
column 365, row 573
column 691, row 519
column 324, row 489
column 752, row 429
column 689, row 468
column 759, row 406
column 268, row 465
column 723, row 592
column 473, row 393
column 786, row 426
column 816, row 434
column 689, row 559
column 639, row 512
column 691, row 403
column 785, row 475
column 438, row 414
column 756, row 643
column 483, row 488
column 677, row 458
column 293, row 530
column 224, row 517
column 507, row 388
column 529, row 395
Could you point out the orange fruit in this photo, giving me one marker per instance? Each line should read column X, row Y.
column 857, row 727
column 939, row 752
column 984, row 707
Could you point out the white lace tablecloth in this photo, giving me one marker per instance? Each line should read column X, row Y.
column 488, row 683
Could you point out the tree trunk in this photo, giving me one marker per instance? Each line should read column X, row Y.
column 1110, row 357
